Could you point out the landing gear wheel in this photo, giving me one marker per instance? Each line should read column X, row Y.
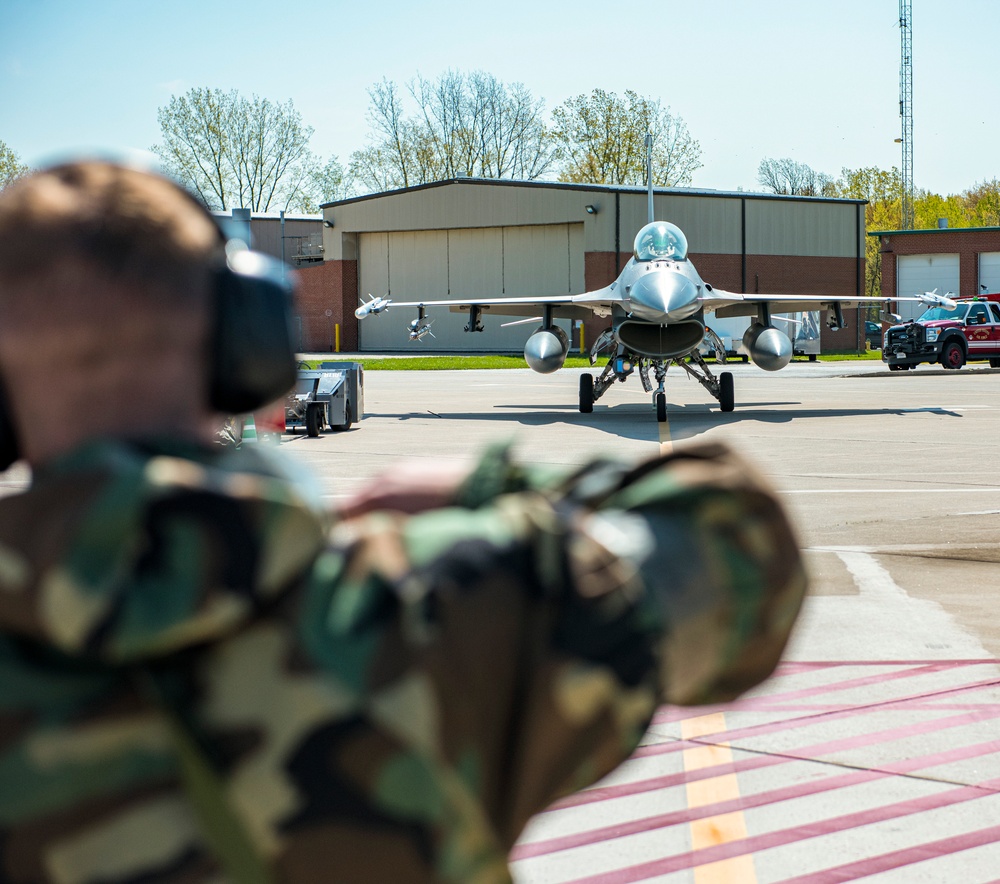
column 586, row 393
column 661, row 407
column 952, row 356
column 727, row 391
column 314, row 420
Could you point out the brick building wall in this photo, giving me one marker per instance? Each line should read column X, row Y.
column 325, row 299
column 968, row 243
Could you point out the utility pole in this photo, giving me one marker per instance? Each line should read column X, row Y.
column 906, row 106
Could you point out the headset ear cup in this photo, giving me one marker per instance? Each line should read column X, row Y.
column 252, row 360
column 10, row 448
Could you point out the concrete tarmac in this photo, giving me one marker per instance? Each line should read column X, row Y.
column 874, row 752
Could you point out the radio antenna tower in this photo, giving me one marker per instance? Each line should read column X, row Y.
column 906, row 106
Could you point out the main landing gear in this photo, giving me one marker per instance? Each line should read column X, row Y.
column 619, row 367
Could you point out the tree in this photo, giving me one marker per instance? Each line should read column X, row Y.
column 11, row 167
column 983, row 204
column 929, row 207
column 601, row 140
column 883, row 191
column 787, row 176
column 237, row 152
column 321, row 183
column 465, row 125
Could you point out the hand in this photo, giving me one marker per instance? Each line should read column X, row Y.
column 408, row 487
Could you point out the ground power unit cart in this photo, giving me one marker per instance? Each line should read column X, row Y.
column 329, row 396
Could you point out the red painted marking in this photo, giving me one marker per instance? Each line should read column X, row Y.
column 899, row 858
column 805, row 720
column 830, row 664
column 790, row 701
column 751, row 703
column 805, row 753
column 912, row 667
column 824, row 708
column 899, row 809
column 746, row 802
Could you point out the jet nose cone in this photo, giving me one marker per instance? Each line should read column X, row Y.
column 663, row 295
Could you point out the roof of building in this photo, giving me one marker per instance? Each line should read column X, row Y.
column 275, row 216
column 597, row 188
column 934, row 230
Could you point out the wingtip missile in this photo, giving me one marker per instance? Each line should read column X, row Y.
column 933, row 299
column 375, row 305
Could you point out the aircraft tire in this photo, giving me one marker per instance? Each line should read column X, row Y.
column 661, row 408
column 348, row 422
column 727, row 391
column 314, row 420
column 586, row 393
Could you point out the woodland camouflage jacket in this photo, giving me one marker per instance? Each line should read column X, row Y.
column 202, row 680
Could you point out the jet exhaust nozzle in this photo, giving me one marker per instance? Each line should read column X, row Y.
column 769, row 348
column 545, row 351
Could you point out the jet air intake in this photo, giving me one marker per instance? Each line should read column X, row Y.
column 660, row 341
column 545, row 351
column 769, row 348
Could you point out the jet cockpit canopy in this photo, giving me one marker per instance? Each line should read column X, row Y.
column 659, row 241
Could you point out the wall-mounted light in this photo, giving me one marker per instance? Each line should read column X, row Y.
column 591, row 210
column 328, row 223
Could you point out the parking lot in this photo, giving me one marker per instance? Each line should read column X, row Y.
column 874, row 751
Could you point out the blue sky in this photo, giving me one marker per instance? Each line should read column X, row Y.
column 818, row 82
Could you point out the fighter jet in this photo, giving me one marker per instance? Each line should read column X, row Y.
column 659, row 309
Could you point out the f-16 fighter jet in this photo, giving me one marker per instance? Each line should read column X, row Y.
column 660, row 311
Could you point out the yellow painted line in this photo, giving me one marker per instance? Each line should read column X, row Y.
column 726, row 827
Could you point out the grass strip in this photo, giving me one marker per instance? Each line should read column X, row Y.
column 492, row 361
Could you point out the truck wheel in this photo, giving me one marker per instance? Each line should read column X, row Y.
column 314, row 420
column 348, row 421
column 953, row 356
column 896, row 367
column 995, row 363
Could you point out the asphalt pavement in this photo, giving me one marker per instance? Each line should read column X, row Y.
column 874, row 752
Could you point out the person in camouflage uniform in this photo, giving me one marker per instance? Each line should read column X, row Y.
column 205, row 677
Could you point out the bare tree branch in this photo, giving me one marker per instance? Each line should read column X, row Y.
column 236, row 152
column 601, row 140
column 465, row 125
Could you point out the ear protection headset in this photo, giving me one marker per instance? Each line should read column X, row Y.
column 251, row 358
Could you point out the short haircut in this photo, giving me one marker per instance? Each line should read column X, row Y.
column 94, row 231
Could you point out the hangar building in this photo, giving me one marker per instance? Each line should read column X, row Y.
column 481, row 237
column 963, row 260
column 295, row 239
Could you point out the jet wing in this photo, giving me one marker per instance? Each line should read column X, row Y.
column 725, row 304
column 561, row 306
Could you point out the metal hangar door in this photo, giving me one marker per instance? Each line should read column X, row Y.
column 426, row 265
column 924, row 273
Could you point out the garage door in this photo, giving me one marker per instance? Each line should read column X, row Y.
column 989, row 271
column 488, row 262
column 924, row 273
